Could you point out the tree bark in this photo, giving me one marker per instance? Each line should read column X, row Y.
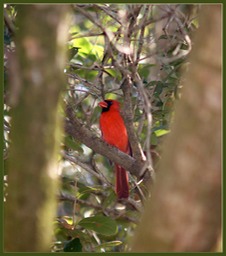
column 36, row 127
column 184, row 211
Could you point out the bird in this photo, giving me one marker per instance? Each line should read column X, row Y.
column 114, row 132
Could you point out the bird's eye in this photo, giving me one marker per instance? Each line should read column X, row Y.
column 109, row 102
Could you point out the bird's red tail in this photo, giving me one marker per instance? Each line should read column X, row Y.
column 122, row 184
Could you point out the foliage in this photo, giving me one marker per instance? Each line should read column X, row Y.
column 107, row 43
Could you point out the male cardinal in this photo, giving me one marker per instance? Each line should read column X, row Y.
column 114, row 132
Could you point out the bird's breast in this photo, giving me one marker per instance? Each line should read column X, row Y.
column 113, row 130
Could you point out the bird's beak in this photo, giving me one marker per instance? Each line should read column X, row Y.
column 103, row 104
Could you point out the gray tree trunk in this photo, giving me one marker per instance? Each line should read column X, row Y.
column 184, row 212
column 36, row 127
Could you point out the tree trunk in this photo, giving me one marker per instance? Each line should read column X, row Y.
column 184, row 212
column 36, row 127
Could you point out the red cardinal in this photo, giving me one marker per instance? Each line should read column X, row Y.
column 114, row 132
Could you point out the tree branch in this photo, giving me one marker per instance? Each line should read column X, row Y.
column 128, row 118
column 87, row 167
column 107, row 211
column 81, row 133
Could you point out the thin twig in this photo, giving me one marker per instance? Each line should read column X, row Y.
column 108, row 12
column 107, row 211
column 90, row 34
column 87, row 168
column 147, row 108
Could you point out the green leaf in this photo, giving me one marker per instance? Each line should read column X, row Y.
column 100, row 224
column 72, row 51
column 84, row 44
column 144, row 70
column 161, row 132
column 152, row 83
column 154, row 139
column 98, row 50
column 109, row 244
column 85, row 191
column 73, row 145
column 159, row 88
column 163, row 37
column 113, row 72
column 111, row 198
column 73, row 246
